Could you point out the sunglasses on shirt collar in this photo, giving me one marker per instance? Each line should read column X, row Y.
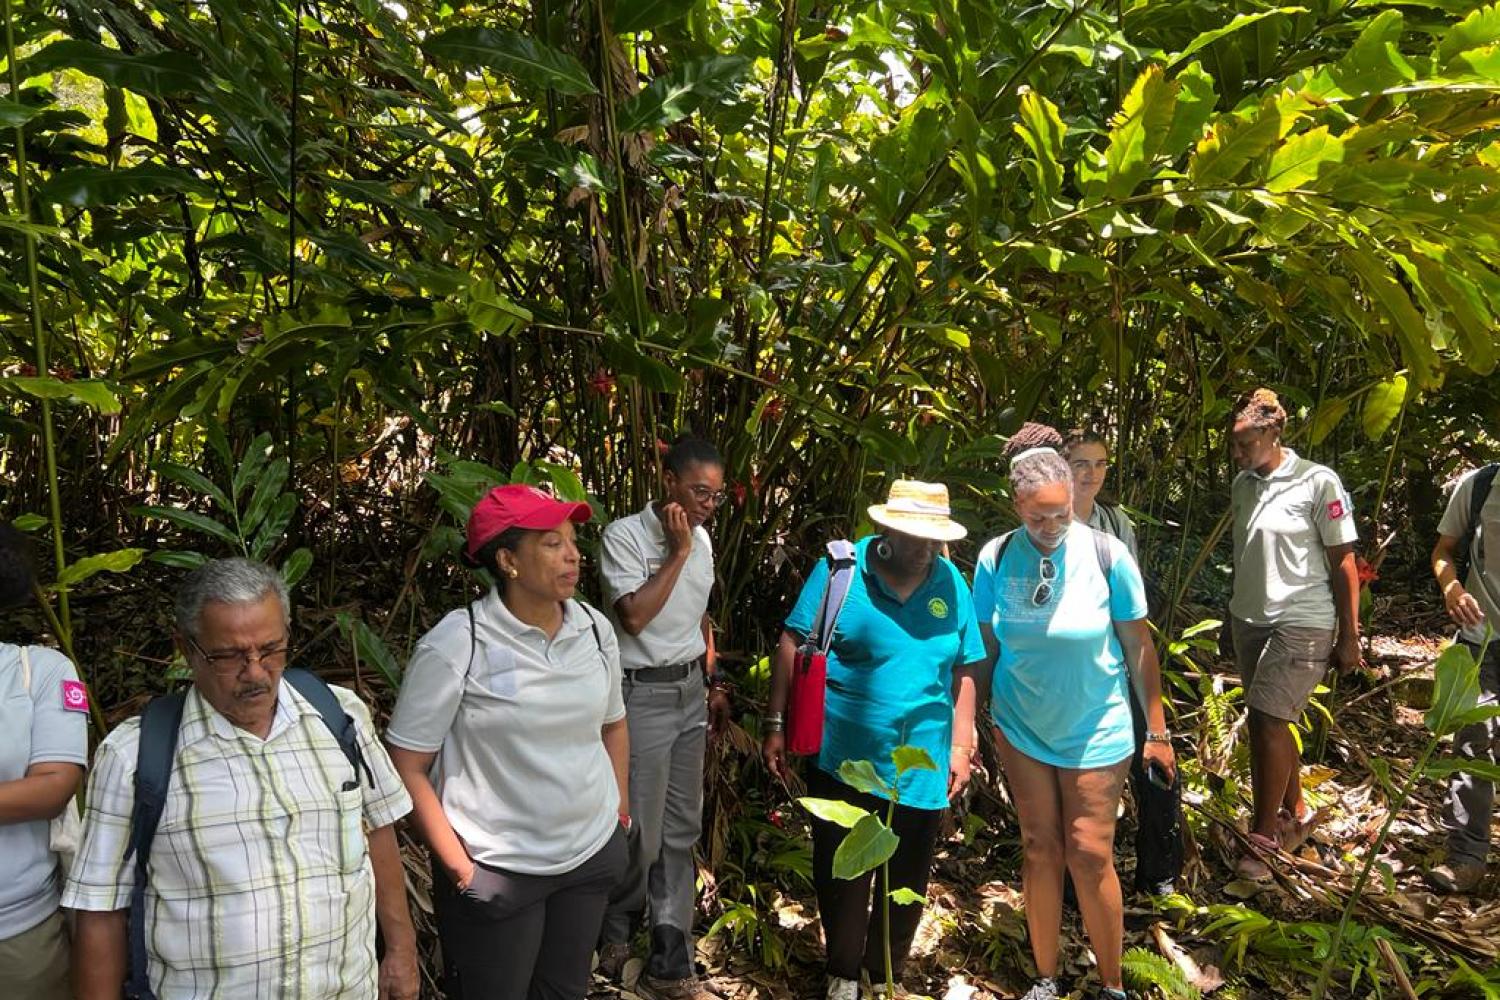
column 1044, row 588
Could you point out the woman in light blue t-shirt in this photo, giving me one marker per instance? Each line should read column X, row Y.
column 1063, row 613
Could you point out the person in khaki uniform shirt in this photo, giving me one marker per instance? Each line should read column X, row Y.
column 1295, row 607
column 657, row 571
column 1474, row 605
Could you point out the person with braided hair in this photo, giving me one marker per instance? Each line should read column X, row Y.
column 1295, row 607
column 1062, row 610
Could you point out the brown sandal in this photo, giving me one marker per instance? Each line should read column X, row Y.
column 1293, row 833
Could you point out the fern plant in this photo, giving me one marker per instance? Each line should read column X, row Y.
column 1146, row 970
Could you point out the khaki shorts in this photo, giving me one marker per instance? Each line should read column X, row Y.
column 34, row 963
column 1281, row 665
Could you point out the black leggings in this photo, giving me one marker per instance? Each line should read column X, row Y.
column 851, row 938
column 511, row 936
column 1158, row 831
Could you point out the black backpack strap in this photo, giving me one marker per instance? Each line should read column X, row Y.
column 1005, row 541
column 153, row 773
column 339, row 722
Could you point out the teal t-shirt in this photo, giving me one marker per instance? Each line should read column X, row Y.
column 890, row 671
column 1061, row 687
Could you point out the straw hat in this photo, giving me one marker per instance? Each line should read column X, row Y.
column 918, row 509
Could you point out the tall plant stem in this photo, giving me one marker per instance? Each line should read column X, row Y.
column 63, row 620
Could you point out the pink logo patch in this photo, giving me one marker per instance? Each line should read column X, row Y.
column 1335, row 510
column 75, row 696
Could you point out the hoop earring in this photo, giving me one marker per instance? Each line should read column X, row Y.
column 883, row 550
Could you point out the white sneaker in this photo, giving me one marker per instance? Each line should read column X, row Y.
column 843, row 989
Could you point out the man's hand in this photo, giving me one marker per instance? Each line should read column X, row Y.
column 773, row 753
column 399, row 978
column 960, row 767
column 720, row 708
column 1346, row 654
column 679, row 529
column 1462, row 607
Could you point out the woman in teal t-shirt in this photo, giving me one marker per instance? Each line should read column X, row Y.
column 900, row 672
column 1063, row 613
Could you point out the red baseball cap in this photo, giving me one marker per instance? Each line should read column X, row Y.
column 516, row 505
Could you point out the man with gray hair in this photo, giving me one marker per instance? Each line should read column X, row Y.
column 239, row 838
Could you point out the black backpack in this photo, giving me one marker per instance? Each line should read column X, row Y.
column 160, row 723
column 1484, row 482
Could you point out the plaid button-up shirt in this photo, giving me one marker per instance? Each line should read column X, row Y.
column 260, row 878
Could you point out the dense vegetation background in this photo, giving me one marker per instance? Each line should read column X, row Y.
column 298, row 280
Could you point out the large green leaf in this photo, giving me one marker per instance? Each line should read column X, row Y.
column 845, row 814
column 866, row 847
column 14, row 113
column 1382, row 404
column 1300, row 158
column 86, row 186
column 1041, row 128
column 190, row 519
column 861, row 776
column 196, row 481
column 1137, row 131
column 1478, row 30
column 371, row 649
column 155, row 74
column 639, row 15
column 677, row 94
column 519, row 56
column 1455, row 690
column 118, row 561
column 1411, row 330
column 910, row 758
column 89, row 392
column 1240, row 22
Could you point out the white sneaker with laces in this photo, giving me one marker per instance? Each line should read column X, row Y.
column 843, row 989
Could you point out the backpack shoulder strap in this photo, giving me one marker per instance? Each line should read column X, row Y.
column 841, row 561
column 1005, row 541
column 1484, row 482
column 1103, row 553
column 160, row 723
column 312, row 687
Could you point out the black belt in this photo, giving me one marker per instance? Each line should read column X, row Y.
column 669, row 674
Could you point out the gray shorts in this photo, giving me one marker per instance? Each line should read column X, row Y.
column 1281, row 665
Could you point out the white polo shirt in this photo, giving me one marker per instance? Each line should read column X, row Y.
column 634, row 548
column 38, row 725
column 1483, row 581
column 1283, row 523
column 515, row 720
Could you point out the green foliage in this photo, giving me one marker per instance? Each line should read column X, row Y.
column 1146, row 970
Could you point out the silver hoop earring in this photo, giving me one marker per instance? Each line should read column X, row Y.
column 883, row 550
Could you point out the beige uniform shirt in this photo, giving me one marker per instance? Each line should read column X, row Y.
column 1283, row 524
column 1483, row 580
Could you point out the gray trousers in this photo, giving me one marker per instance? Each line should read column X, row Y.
column 1471, row 799
column 668, row 734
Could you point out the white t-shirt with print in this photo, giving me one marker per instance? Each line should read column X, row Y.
column 1283, row 523
column 515, row 720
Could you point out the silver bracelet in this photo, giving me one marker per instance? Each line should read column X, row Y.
column 773, row 722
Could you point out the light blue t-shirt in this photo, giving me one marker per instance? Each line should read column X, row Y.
column 1061, row 688
column 890, row 671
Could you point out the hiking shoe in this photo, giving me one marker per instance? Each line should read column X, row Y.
column 691, row 988
column 1455, row 876
column 612, row 959
column 842, row 989
column 1160, row 890
column 1110, row 993
column 1044, row 988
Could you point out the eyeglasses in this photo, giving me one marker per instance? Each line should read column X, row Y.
column 704, row 495
column 1043, row 593
column 232, row 661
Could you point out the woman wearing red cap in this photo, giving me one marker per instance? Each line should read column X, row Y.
column 510, row 734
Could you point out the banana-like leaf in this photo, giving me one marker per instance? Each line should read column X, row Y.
column 677, row 94
column 520, row 57
column 118, row 561
column 1138, row 130
column 845, row 814
column 83, row 187
column 640, row 15
column 155, row 74
column 1382, row 405
column 1455, row 690
column 866, row 847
